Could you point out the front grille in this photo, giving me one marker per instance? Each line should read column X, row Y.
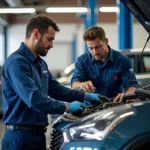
column 56, row 140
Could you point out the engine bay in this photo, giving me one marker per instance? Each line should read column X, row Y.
column 105, row 103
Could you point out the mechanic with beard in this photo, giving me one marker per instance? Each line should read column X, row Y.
column 103, row 70
column 30, row 93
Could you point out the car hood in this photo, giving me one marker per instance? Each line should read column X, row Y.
column 140, row 9
column 94, row 117
column 105, row 114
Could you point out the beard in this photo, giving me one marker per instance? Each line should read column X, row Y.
column 99, row 58
column 40, row 48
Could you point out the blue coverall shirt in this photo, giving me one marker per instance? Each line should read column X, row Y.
column 110, row 77
column 28, row 90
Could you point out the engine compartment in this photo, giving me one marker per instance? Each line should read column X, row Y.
column 105, row 103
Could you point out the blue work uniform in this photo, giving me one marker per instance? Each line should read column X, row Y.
column 29, row 92
column 110, row 78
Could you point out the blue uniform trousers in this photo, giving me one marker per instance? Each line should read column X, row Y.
column 23, row 140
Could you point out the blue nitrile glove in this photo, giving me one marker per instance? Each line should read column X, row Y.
column 87, row 104
column 92, row 97
column 75, row 106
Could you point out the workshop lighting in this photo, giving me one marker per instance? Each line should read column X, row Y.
column 108, row 9
column 66, row 10
column 16, row 10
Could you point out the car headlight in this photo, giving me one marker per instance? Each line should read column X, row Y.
column 99, row 126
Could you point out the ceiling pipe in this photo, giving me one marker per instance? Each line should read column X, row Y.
column 14, row 3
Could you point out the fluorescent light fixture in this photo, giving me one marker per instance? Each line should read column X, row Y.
column 108, row 9
column 16, row 10
column 66, row 10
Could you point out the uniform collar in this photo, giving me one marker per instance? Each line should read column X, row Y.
column 28, row 53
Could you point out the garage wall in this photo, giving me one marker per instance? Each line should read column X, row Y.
column 60, row 56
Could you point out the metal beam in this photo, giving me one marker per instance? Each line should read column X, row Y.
column 125, row 21
column 90, row 18
column 86, row 25
column 92, row 14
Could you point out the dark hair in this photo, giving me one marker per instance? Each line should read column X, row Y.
column 41, row 23
column 93, row 32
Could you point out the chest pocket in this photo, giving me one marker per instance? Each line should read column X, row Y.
column 113, row 75
column 46, row 76
column 113, row 80
column 45, row 73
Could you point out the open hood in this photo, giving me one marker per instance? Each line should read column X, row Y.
column 141, row 10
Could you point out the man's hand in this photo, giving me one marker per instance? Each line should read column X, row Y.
column 74, row 106
column 87, row 104
column 92, row 97
column 119, row 97
column 87, row 86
